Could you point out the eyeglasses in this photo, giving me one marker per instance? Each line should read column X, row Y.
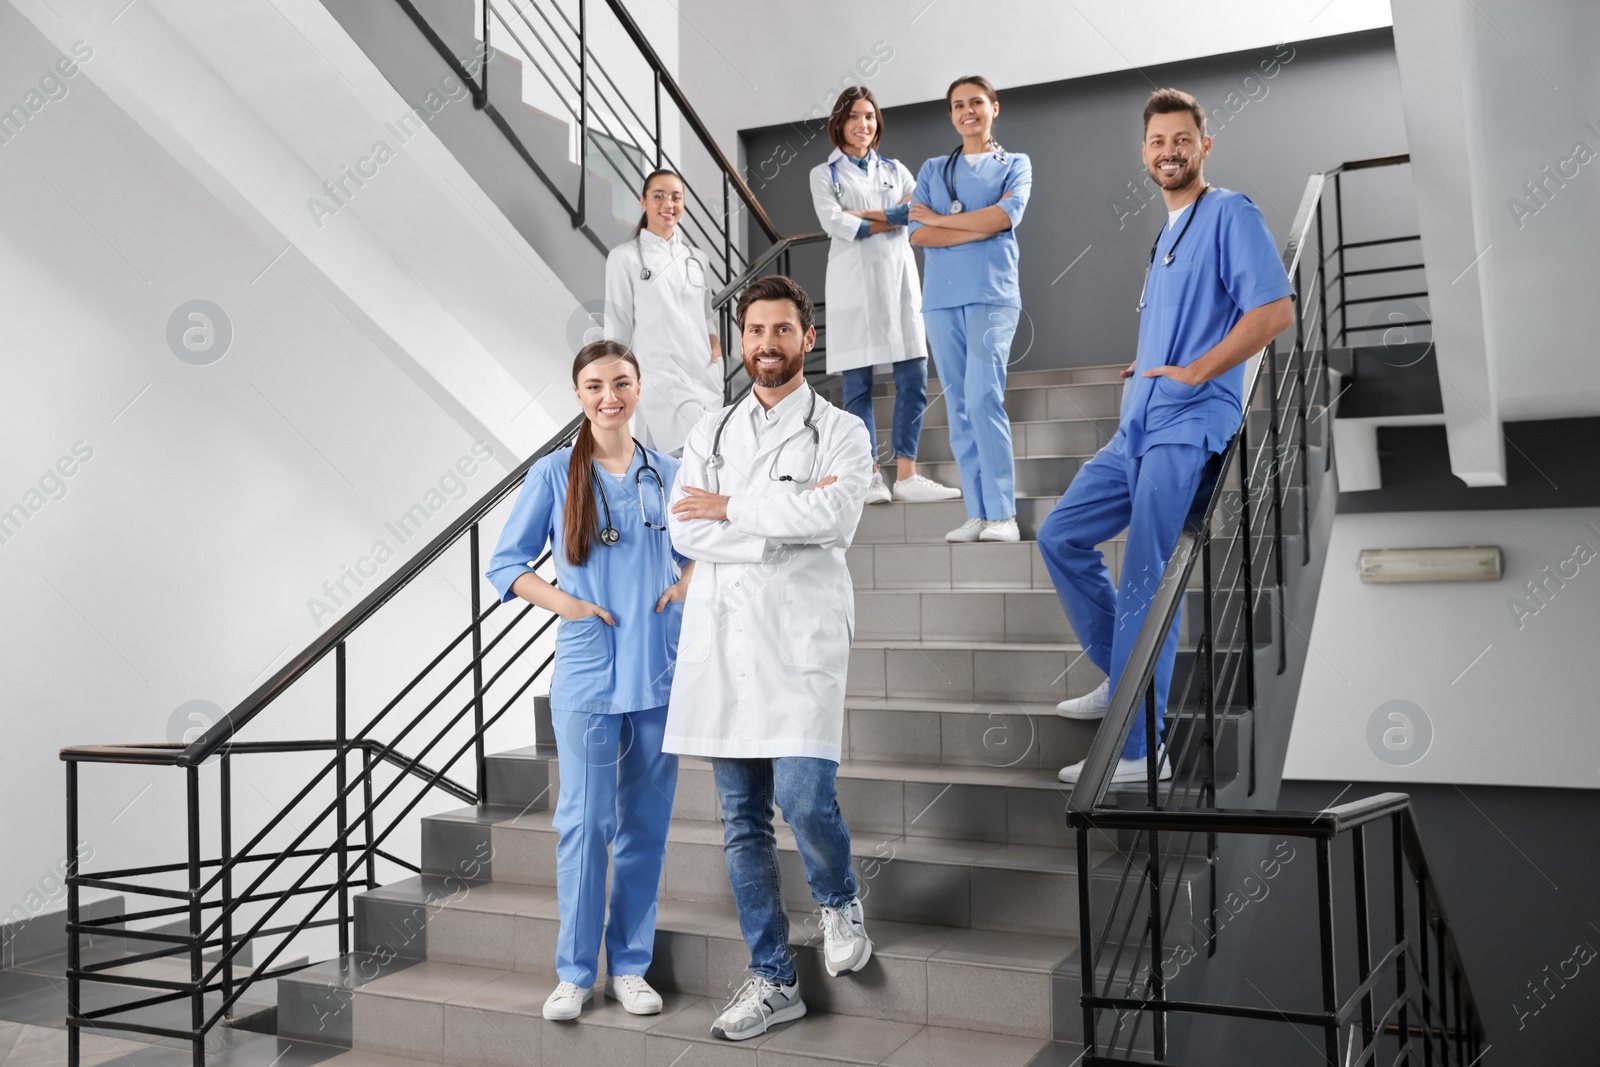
column 661, row 198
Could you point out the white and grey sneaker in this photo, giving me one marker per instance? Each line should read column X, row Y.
column 845, row 944
column 966, row 532
column 757, row 1006
column 634, row 994
column 877, row 491
column 919, row 489
column 1127, row 771
column 1089, row 706
column 1000, row 530
column 567, row 1001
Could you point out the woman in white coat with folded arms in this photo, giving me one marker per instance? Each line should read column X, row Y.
column 658, row 303
column 874, row 298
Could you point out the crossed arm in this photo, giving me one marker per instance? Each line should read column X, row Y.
column 943, row 231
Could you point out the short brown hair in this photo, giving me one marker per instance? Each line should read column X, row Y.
column 841, row 113
column 776, row 287
column 1167, row 101
column 972, row 79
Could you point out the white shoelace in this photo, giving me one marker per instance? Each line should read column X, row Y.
column 567, row 991
column 751, row 994
column 835, row 922
column 633, row 984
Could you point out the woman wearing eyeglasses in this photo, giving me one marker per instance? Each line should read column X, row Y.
column 658, row 303
column 601, row 507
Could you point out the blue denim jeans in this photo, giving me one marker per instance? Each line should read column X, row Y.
column 803, row 788
column 910, row 403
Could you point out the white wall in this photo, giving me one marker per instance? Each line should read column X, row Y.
column 756, row 65
column 1505, row 680
column 206, row 505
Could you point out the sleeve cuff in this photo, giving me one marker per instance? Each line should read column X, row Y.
column 898, row 215
column 863, row 230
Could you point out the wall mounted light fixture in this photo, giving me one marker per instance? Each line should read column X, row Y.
column 1478, row 563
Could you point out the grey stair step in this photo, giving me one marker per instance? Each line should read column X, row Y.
column 316, row 1003
column 1033, row 475
column 1011, row 616
column 897, row 523
column 699, row 952
column 1015, row 888
column 1099, row 372
column 939, row 565
column 970, row 671
column 1059, row 437
column 1025, row 402
column 478, row 1015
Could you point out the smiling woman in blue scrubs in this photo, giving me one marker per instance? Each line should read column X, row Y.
column 964, row 212
column 601, row 506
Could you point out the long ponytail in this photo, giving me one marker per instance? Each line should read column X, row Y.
column 581, row 515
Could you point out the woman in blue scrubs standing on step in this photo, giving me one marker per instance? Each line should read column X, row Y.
column 602, row 507
column 964, row 212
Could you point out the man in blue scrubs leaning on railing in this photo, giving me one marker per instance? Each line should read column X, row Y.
column 1215, row 293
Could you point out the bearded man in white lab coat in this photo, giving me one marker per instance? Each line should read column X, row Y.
column 766, row 502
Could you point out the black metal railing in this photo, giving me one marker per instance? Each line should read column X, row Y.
column 555, row 41
column 1230, row 568
column 1365, row 274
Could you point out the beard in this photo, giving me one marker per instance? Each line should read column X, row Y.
column 1187, row 175
column 772, row 378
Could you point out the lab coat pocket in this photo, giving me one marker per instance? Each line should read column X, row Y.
column 693, row 640
column 814, row 632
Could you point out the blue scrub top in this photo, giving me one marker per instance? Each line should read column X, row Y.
column 979, row 272
column 1227, row 264
column 600, row 668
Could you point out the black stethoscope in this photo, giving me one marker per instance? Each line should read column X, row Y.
column 714, row 461
column 885, row 181
column 645, row 273
column 609, row 534
column 1166, row 260
column 956, row 207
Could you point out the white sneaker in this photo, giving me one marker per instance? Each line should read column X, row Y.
column 1127, row 770
column 845, row 944
column 757, row 1006
column 966, row 532
column 634, row 994
column 1089, row 706
column 567, row 1001
column 918, row 489
column 877, row 491
column 1000, row 530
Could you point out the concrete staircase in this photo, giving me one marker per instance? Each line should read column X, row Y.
column 967, row 870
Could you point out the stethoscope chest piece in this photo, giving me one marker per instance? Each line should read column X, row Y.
column 644, row 274
column 610, row 535
column 955, row 207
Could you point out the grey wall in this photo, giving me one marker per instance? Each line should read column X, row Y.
column 1328, row 101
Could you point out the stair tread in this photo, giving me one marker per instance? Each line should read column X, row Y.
column 958, row 644
column 948, row 851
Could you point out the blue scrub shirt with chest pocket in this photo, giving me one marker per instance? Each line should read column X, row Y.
column 1145, row 479
column 971, row 301
column 608, row 701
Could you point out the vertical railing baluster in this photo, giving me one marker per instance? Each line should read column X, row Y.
column 196, row 998
column 74, row 984
column 1424, row 921
column 1444, row 995
column 367, row 768
column 1397, row 832
column 583, row 112
column 1085, row 939
column 225, row 786
column 477, row 668
column 1246, row 562
column 1276, row 468
column 341, row 781
column 1330, row 981
column 1208, row 693
column 1152, row 736
column 1358, row 848
column 1158, row 991
column 656, row 75
column 727, row 233
column 1322, row 327
column 1338, row 221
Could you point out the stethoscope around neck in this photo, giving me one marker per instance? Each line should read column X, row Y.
column 645, row 273
column 714, row 461
column 885, row 181
column 609, row 534
column 1166, row 260
column 956, row 207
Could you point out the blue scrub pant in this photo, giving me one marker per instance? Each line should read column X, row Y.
column 1150, row 497
column 910, row 402
column 616, row 791
column 971, row 347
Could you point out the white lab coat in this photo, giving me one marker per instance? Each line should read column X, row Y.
column 770, row 613
column 874, row 299
column 667, row 322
